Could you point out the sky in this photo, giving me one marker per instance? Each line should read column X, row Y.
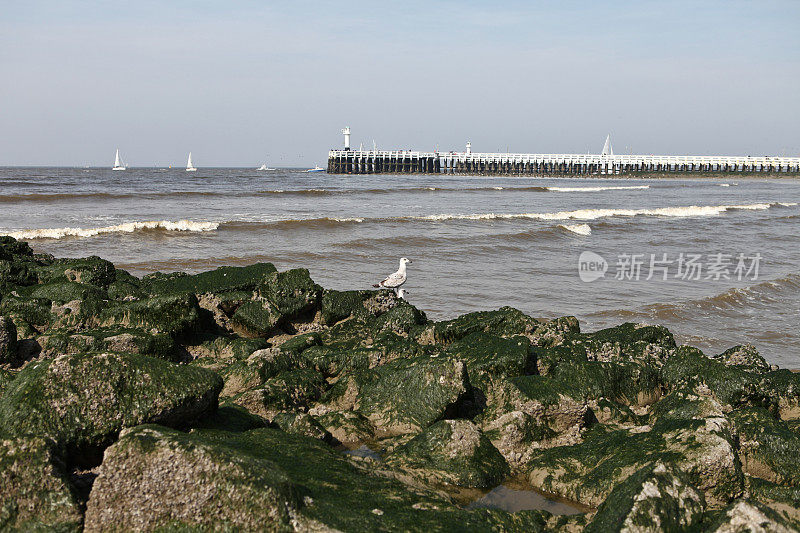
column 240, row 83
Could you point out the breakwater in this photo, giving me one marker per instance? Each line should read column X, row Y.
column 489, row 164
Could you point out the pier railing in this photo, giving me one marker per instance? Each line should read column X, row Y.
column 413, row 162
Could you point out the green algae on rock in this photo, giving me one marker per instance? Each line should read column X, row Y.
column 452, row 451
column 35, row 494
column 83, row 401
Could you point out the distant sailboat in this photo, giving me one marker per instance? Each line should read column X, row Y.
column 118, row 163
column 607, row 149
column 189, row 165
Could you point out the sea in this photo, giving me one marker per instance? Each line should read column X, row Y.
column 714, row 260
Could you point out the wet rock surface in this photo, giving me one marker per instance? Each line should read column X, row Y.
column 250, row 399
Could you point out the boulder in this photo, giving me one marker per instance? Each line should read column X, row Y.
column 656, row 498
column 35, row 494
column 346, row 427
column 636, row 343
column 404, row 396
column 222, row 280
column 490, row 358
column 290, row 293
column 89, row 270
column 589, row 471
column 743, row 516
column 452, row 451
column 175, row 315
column 745, row 357
column 83, row 401
column 8, row 341
column 768, row 448
column 157, row 478
column 293, row 390
column 301, row 424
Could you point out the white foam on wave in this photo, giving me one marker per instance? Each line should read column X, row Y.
column 594, row 214
column 724, row 184
column 597, row 189
column 580, row 229
column 128, row 227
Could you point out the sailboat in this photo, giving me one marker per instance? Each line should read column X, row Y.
column 607, row 149
column 118, row 163
column 189, row 165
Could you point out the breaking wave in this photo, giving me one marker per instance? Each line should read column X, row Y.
column 129, row 227
column 580, row 229
column 597, row 189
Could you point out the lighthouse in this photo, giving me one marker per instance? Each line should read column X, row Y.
column 346, row 132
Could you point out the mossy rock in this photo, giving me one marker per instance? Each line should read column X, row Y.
column 17, row 274
column 10, row 247
column 301, row 424
column 264, row 479
column 782, row 499
column 255, row 318
column 400, row 319
column 685, row 405
column 222, row 280
column 293, row 390
column 744, row 356
column 589, row 471
column 406, row 395
column 156, row 478
column 333, row 361
column 30, row 316
column 338, row 305
column 83, row 401
column 454, row 452
column 291, row 293
column 347, row 427
column 176, row 315
column 230, row 417
column 768, row 448
column 635, row 343
column 90, row 270
column 65, row 291
column 747, row 515
column 112, row 339
column 8, row 341
column 656, row 498
column 35, row 493
column 490, row 358
column 506, row 321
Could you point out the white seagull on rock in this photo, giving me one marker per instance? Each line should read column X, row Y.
column 394, row 281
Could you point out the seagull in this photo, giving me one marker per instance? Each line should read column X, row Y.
column 393, row 281
column 401, row 293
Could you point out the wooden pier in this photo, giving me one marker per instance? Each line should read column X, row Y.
column 486, row 164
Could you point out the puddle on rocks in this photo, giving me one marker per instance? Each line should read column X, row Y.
column 515, row 495
column 365, row 452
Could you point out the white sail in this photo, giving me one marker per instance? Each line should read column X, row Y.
column 118, row 163
column 607, row 149
column 189, row 165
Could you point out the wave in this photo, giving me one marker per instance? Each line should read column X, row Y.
column 128, row 227
column 765, row 294
column 57, row 197
column 580, row 229
column 597, row 189
column 593, row 214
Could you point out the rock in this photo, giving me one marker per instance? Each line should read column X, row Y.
column 339, row 305
column 768, row 448
column 222, row 280
column 400, row 319
column 10, row 247
column 89, row 270
column 301, row 424
column 112, row 339
column 529, row 412
column 347, row 427
column 589, row 471
column 6, row 378
column 656, row 498
column 8, row 341
column 65, row 291
column 490, row 358
column 154, row 478
column 506, row 321
column 452, row 451
column 34, row 492
column 294, row 390
column 175, row 315
column 744, row 516
column 782, row 499
column 636, row 343
column 404, row 396
column 83, row 401
column 255, row 318
column 290, row 293
column 745, row 357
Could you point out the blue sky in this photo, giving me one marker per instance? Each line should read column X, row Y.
column 242, row 82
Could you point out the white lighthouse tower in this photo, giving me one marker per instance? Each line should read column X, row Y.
column 346, row 132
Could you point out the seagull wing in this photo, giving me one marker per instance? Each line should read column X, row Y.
column 394, row 280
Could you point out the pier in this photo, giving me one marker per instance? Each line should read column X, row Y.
column 499, row 164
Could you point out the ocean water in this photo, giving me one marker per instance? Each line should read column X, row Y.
column 476, row 242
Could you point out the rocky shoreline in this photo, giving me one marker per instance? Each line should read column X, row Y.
column 224, row 400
